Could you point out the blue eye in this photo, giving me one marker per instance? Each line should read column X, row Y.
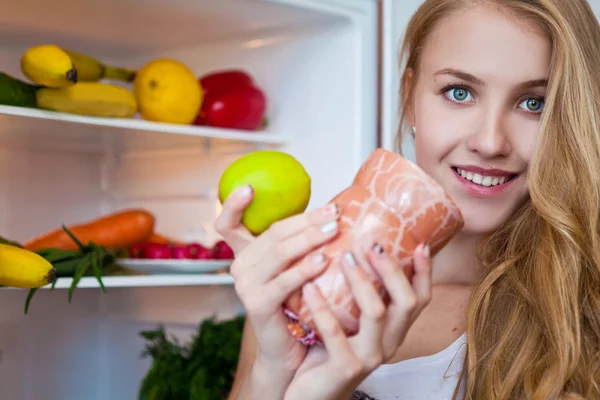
column 532, row 104
column 458, row 95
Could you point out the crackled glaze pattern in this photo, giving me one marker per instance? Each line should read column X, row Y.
column 392, row 202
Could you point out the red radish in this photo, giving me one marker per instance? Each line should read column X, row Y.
column 181, row 252
column 157, row 251
column 223, row 251
column 137, row 250
column 194, row 249
column 205, row 254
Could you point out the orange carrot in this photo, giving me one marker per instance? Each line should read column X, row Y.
column 158, row 238
column 119, row 230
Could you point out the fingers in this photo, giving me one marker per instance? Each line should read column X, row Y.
column 291, row 226
column 283, row 254
column 372, row 312
column 331, row 332
column 229, row 221
column 393, row 277
column 288, row 239
column 407, row 300
column 263, row 300
column 280, row 288
column 422, row 278
column 263, row 279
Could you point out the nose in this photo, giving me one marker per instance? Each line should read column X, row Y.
column 491, row 138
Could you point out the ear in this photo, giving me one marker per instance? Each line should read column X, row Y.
column 407, row 97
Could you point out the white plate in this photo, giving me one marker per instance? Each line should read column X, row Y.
column 173, row 266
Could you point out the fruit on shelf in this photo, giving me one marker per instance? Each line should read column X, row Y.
column 89, row 98
column 21, row 268
column 90, row 69
column 232, row 100
column 190, row 251
column 281, row 185
column 118, row 230
column 167, row 91
column 84, row 98
column 48, row 65
column 88, row 259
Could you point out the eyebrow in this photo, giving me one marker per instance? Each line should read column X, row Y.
column 465, row 76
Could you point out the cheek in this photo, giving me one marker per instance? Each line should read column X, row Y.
column 440, row 129
column 524, row 131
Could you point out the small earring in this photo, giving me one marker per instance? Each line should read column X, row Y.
column 414, row 130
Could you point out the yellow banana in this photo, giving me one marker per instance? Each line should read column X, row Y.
column 90, row 69
column 24, row 269
column 48, row 65
column 89, row 98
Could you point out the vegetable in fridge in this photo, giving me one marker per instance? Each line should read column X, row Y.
column 14, row 92
column 118, row 230
column 232, row 100
column 201, row 370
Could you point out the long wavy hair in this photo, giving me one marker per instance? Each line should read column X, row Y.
column 534, row 318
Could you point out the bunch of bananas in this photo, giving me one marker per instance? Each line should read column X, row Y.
column 55, row 67
column 71, row 83
column 162, row 90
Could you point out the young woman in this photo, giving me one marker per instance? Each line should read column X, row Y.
column 503, row 99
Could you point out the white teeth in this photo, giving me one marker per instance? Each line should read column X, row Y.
column 482, row 179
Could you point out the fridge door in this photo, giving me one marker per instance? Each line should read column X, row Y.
column 395, row 16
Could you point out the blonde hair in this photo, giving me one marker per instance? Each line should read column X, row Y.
column 534, row 318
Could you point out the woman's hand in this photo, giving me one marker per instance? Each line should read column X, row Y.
column 229, row 221
column 263, row 279
column 335, row 371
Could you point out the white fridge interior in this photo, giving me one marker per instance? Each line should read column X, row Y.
column 316, row 60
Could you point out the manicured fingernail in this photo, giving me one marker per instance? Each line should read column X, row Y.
column 332, row 209
column 329, row 227
column 426, row 251
column 377, row 249
column 350, row 260
column 246, row 191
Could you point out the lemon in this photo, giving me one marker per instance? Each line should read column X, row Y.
column 281, row 187
column 167, row 91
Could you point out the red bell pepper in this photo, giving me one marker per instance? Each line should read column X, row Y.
column 221, row 81
column 232, row 100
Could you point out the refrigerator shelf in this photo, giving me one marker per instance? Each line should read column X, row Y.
column 81, row 130
column 130, row 281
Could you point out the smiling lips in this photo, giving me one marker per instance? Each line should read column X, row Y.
column 482, row 182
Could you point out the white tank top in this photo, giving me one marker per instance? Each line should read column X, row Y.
column 432, row 377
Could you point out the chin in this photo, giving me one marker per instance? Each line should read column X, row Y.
column 476, row 225
column 482, row 218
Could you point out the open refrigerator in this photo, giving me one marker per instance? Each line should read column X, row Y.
column 328, row 69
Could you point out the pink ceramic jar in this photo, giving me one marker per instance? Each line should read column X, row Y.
column 392, row 202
